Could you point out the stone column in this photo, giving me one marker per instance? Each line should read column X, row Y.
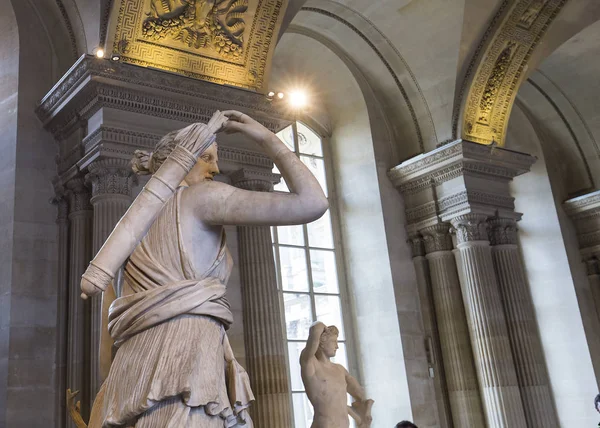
column 524, row 338
column 487, row 324
column 80, row 254
column 263, row 330
column 461, row 377
column 592, row 266
column 62, row 299
column 111, row 181
column 430, row 328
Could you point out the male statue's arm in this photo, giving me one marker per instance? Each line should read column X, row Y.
column 312, row 344
column 134, row 225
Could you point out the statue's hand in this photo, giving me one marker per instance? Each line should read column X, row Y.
column 244, row 124
column 88, row 289
column 194, row 136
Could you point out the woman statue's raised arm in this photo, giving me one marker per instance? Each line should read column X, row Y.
column 132, row 227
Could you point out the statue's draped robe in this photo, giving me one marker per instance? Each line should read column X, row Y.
column 171, row 368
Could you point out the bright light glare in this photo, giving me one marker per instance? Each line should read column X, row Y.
column 100, row 53
column 280, row 95
column 298, row 99
column 271, row 94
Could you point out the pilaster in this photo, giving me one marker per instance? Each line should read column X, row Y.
column 80, row 254
column 532, row 374
column 487, row 324
column 111, row 180
column 461, row 377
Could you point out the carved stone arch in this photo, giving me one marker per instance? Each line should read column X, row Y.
column 509, row 51
column 382, row 63
column 564, row 130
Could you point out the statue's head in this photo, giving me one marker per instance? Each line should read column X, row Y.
column 328, row 343
column 145, row 162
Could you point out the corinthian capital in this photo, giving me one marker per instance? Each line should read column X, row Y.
column 470, row 227
column 503, row 231
column 437, row 238
column 79, row 195
column 111, row 177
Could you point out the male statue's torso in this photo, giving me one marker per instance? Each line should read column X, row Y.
column 326, row 390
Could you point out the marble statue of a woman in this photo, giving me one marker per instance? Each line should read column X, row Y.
column 174, row 366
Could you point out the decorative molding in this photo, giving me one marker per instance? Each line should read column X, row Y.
column 583, row 206
column 500, row 71
column 67, row 21
column 503, row 231
column 472, row 64
column 254, row 179
column 451, row 160
column 93, row 83
column 470, row 227
column 468, row 198
column 196, row 48
column 424, row 211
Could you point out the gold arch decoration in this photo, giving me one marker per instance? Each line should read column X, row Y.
column 501, row 70
column 228, row 42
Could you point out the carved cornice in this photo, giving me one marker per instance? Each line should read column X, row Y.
column 503, row 231
column 584, row 211
column 421, row 212
column 500, row 72
column 455, row 159
column 254, row 179
column 470, row 227
column 468, row 199
column 93, row 83
column 437, row 238
column 583, row 206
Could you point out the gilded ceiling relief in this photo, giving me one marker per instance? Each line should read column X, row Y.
column 223, row 41
column 215, row 24
column 500, row 71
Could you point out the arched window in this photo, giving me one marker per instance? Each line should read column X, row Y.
column 307, row 271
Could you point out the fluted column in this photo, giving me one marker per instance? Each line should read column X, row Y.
column 430, row 328
column 487, row 324
column 62, row 220
column 80, row 254
column 263, row 330
column 524, row 338
column 461, row 377
column 111, row 181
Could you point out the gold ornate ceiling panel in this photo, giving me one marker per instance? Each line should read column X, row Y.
column 222, row 41
column 499, row 74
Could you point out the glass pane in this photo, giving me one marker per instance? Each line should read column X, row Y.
column 291, row 235
column 309, row 142
column 319, row 232
column 324, row 272
column 317, row 167
column 276, row 266
column 328, row 312
column 298, row 315
column 341, row 357
column 281, row 186
column 303, row 410
column 294, row 276
column 272, row 234
column 287, row 136
column 294, row 350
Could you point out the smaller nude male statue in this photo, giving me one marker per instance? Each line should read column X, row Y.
column 328, row 383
